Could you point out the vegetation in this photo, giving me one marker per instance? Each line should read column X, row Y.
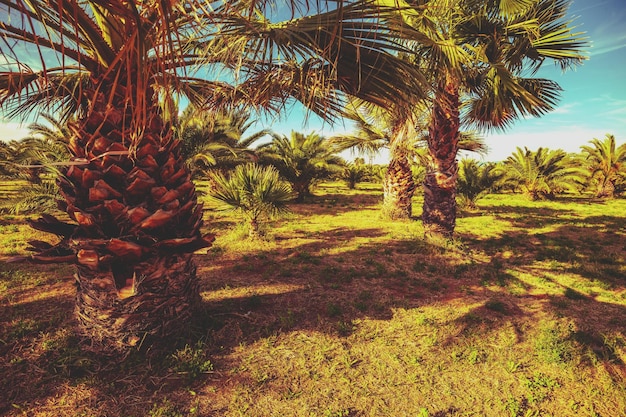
column 115, row 69
column 508, row 39
column 337, row 312
column 301, row 159
column 215, row 140
column 543, row 173
column 331, row 311
column 607, row 166
column 256, row 192
column 354, row 173
column 474, row 181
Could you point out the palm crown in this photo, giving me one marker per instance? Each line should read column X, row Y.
column 606, row 162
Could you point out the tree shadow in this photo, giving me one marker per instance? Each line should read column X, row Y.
column 326, row 287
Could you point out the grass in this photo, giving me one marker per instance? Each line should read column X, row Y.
column 339, row 313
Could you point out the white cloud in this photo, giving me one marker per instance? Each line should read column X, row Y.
column 12, row 131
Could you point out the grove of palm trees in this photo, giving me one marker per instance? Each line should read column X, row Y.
column 164, row 253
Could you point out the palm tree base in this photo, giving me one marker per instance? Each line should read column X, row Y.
column 439, row 213
column 157, row 306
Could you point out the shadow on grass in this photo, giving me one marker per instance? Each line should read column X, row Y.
column 317, row 287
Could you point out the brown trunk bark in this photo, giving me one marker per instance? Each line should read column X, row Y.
column 439, row 209
column 138, row 221
column 398, row 188
column 606, row 190
column 158, row 298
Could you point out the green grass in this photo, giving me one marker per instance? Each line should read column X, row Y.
column 339, row 313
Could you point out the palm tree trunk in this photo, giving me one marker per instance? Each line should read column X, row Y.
column 439, row 209
column 302, row 190
column 606, row 189
column 398, row 187
column 138, row 221
column 151, row 305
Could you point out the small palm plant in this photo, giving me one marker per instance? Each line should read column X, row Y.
column 257, row 192
column 606, row 163
column 474, row 181
column 301, row 159
column 354, row 173
column 543, row 173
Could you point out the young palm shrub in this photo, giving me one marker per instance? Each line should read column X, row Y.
column 301, row 159
column 606, row 163
column 354, row 173
column 542, row 174
column 215, row 139
column 474, row 181
column 257, row 193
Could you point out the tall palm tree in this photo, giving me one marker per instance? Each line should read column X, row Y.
column 301, row 159
column 257, row 192
column 478, row 57
column 543, row 173
column 607, row 164
column 377, row 129
column 115, row 67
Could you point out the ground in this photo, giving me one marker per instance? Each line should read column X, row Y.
column 335, row 312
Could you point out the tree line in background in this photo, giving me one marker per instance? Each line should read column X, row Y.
column 261, row 180
column 114, row 71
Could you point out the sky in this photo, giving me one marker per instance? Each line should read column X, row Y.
column 592, row 104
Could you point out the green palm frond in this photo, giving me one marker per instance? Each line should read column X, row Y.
column 32, row 198
column 257, row 192
column 543, row 173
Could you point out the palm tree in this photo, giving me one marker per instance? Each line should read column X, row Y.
column 258, row 193
column 44, row 148
column 475, row 180
column 353, row 173
column 606, row 163
column 215, row 139
column 378, row 129
column 116, row 67
column 41, row 152
column 477, row 56
column 301, row 159
column 542, row 174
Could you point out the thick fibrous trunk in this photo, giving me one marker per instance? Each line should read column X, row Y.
column 398, row 188
column 154, row 305
column 606, row 189
column 138, row 221
column 439, row 210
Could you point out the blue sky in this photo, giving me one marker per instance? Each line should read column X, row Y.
column 592, row 104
